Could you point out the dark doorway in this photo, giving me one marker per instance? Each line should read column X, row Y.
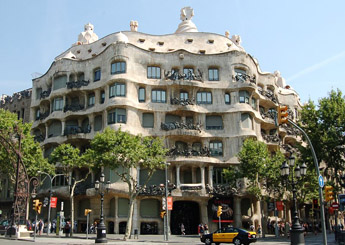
column 110, row 227
column 122, row 227
column 186, row 213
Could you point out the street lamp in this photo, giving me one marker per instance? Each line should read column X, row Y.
column 101, row 187
column 297, row 236
column 50, row 195
column 166, row 217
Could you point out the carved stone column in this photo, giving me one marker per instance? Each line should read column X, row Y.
column 210, row 176
column 178, row 183
column 193, row 175
column 136, row 216
column 237, row 212
column 138, row 175
column 202, row 177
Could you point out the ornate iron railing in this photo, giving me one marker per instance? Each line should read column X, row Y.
column 239, row 77
column 154, row 190
column 180, row 125
column 46, row 93
column 221, row 190
column 188, row 152
column 174, row 76
column 43, row 116
column 190, row 187
column 73, row 107
column 70, row 130
column 183, row 102
column 39, row 138
column 270, row 138
column 269, row 95
column 77, row 84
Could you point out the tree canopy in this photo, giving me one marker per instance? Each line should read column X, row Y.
column 30, row 152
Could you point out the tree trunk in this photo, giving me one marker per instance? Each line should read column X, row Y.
column 130, row 217
column 72, row 210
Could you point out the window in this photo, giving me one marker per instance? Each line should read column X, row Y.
column 218, row 176
column 97, row 75
column 158, row 96
column 169, row 118
column 38, row 93
column 38, row 113
column 188, row 72
column 204, row 98
column 244, row 97
column 148, row 120
column 213, row 74
column 118, row 67
column 254, row 103
column 91, row 100
column 98, row 123
column 142, row 94
column 59, row 82
column 216, row 148
column 102, row 98
column 183, row 96
column 118, row 90
column 117, row 115
column 214, row 122
column 58, row 104
column 246, row 120
column 227, row 99
column 154, row 72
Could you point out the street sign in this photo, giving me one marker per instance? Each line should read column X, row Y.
column 163, row 203
column 170, row 203
column 335, row 205
column 280, row 205
column 53, row 202
column 321, row 182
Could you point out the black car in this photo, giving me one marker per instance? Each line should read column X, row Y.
column 229, row 235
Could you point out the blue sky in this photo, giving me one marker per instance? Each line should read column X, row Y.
column 304, row 40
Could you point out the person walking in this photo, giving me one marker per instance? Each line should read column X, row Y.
column 182, row 229
column 206, row 229
column 40, row 227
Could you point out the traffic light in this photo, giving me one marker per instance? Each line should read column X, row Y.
column 219, row 211
column 341, row 198
column 87, row 211
column 39, row 207
column 162, row 214
column 329, row 193
column 282, row 114
column 316, row 203
column 35, row 204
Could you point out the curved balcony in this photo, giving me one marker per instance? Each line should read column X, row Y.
column 183, row 102
column 45, row 94
column 241, row 77
column 73, row 107
column 71, row 130
column 77, row 84
column 189, row 152
column 190, row 76
column 180, row 125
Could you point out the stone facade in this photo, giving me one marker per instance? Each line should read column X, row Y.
column 200, row 91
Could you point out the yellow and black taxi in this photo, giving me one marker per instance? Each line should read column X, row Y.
column 229, row 235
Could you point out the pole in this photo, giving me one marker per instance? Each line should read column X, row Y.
column 50, row 198
column 166, row 223
column 219, row 223
column 87, row 226
column 324, row 234
column 35, row 227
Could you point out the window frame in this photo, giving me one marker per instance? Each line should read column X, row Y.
column 204, row 98
column 58, row 101
column 153, row 121
column 161, row 92
column 117, row 87
column 246, row 97
column 115, row 116
column 225, row 99
column 213, row 150
column 97, row 74
column 140, row 99
column 122, row 67
column 154, row 69
column 91, row 97
column 215, row 74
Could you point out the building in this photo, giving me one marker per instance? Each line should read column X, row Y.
column 200, row 91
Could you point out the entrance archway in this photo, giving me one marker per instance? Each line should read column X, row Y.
column 186, row 213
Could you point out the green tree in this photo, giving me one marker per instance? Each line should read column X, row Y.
column 123, row 152
column 68, row 158
column 26, row 149
column 325, row 126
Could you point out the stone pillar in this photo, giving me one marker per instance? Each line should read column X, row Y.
column 136, row 216
column 203, row 214
column 237, row 212
column 210, row 176
column 105, row 119
column 63, row 127
column 116, row 223
column 202, row 173
column 138, row 175
column 178, row 184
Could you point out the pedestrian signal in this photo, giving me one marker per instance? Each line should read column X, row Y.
column 219, row 211
column 87, row 211
column 163, row 214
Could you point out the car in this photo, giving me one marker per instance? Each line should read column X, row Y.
column 229, row 235
column 4, row 224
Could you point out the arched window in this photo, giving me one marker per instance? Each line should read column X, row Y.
column 118, row 67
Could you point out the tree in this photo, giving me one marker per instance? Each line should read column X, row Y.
column 325, row 126
column 29, row 151
column 123, row 152
column 68, row 158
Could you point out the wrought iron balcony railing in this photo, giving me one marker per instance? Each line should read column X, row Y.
column 180, row 125
column 70, row 130
column 187, row 152
column 175, row 75
column 46, row 93
column 239, row 77
column 183, row 102
column 73, row 107
column 39, row 138
column 77, row 84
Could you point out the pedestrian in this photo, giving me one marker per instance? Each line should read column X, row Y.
column 259, row 231
column 40, row 227
column 200, row 229
column 206, row 229
column 182, row 229
column 67, row 229
column 251, row 227
column 53, row 228
column 28, row 225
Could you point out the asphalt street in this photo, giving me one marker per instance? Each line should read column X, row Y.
column 155, row 239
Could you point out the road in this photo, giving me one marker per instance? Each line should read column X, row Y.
column 155, row 239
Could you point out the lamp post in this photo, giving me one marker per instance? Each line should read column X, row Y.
column 101, row 187
column 166, row 217
column 50, row 195
column 297, row 236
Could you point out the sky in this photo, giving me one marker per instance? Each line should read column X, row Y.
column 304, row 40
